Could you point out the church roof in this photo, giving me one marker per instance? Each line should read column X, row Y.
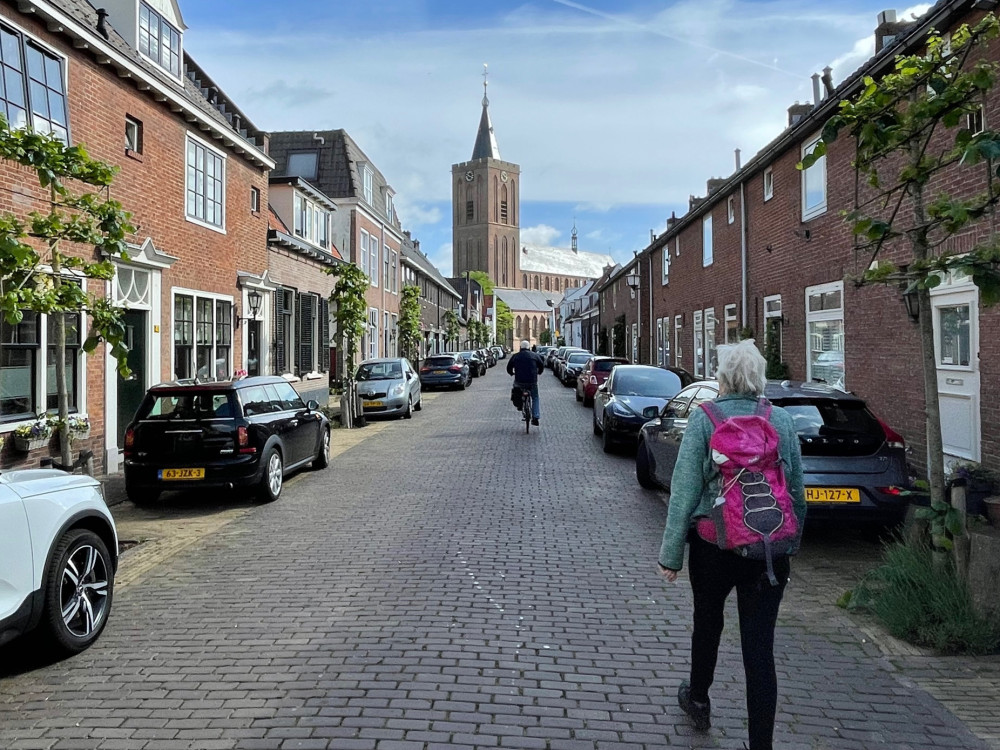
column 527, row 300
column 563, row 261
column 486, row 141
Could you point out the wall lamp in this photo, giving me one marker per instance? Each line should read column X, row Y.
column 254, row 299
column 911, row 300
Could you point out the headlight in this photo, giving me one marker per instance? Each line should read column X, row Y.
column 619, row 410
column 397, row 390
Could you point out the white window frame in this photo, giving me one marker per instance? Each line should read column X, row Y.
column 368, row 187
column 817, row 170
column 707, row 249
column 731, row 209
column 975, row 128
column 255, row 200
column 730, row 316
column 768, row 184
column 678, row 334
column 209, row 148
column 388, row 204
column 698, row 337
column 769, row 315
column 363, row 251
column 659, row 342
column 822, row 316
column 133, row 135
column 197, row 294
column 386, row 266
column 710, row 324
column 677, row 246
column 373, row 321
column 665, row 273
column 374, row 259
column 176, row 75
column 635, row 343
column 394, row 268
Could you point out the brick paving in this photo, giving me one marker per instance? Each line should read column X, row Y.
column 452, row 583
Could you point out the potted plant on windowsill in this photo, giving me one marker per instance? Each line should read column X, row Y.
column 32, row 435
column 980, row 483
column 78, row 426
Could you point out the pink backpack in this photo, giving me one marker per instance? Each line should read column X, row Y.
column 753, row 514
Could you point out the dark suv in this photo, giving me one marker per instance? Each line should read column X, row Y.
column 245, row 433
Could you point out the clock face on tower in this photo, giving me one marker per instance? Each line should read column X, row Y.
column 469, row 176
column 503, row 176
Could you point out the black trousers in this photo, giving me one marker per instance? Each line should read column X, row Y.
column 714, row 573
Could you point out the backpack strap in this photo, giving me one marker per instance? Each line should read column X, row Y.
column 763, row 408
column 714, row 413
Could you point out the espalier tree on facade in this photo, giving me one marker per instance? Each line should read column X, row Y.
column 409, row 322
column 38, row 275
column 452, row 327
column 910, row 130
column 348, row 300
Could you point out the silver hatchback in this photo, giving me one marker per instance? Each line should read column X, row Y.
column 388, row 387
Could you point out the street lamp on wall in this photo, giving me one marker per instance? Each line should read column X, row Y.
column 253, row 303
column 633, row 281
column 912, row 302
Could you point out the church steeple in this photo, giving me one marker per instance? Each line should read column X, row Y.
column 486, row 142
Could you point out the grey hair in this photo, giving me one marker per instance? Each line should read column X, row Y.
column 742, row 368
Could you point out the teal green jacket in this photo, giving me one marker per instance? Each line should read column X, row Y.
column 694, row 485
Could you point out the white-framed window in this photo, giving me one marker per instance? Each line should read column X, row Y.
column 768, row 184
column 395, row 271
column 34, row 91
column 635, row 343
column 731, row 209
column 363, row 252
column 205, row 184
column 133, row 135
column 976, row 121
column 159, row 41
column 772, row 320
column 711, row 352
column 203, row 335
column 255, row 200
column 367, row 179
column 678, row 334
column 386, row 263
column 394, row 339
column 311, row 221
column 813, row 183
column 677, row 246
column 825, row 334
column 706, row 241
column 388, row 204
column 665, row 274
column 699, row 345
column 386, row 334
column 659, row 342
column 373, row 259
column 732, row 333
column 372, row 341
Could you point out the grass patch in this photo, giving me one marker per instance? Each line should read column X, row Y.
column 916, row 594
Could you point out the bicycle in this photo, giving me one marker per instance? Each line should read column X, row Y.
column 526, row 409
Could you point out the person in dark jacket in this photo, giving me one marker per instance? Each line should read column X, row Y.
column 526, row 366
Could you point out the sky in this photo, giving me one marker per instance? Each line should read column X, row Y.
column 617, row 111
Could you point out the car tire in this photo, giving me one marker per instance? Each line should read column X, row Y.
column 606, row 442
column 576, row 392
column 419, row 405
column 597, row 427
column 408, row 414
column 272, row 479
column 81, row 574
column 463, row 384
column 587, row 401
column 642, row 474
column 322, row 459
column 141, row 497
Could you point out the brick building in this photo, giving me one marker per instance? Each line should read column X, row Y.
column 767, row 249
column 193, row 174
column 437, row 297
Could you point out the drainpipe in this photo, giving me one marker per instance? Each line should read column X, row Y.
column 743, row 253
column 652, row 341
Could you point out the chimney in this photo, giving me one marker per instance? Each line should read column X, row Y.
column 672, row 220
column 815, row 79
column 888, row 29
column 714, row 183
column 797, row 111
column 827, row 80
column 739, row 163
column 102, row 29
column 416, row 245
column 694, row 202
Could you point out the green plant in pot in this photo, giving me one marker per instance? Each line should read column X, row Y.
column 980, row 483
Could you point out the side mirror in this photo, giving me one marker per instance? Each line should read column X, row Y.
column 650, row 412
column 669, row 412
column 312, row 405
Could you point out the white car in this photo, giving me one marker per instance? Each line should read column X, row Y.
column 58, row 556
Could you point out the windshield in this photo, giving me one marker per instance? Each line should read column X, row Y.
column 651, row 382
column 470, row 355
column 578, row 359
column 831, row 417
column 380, row 371
column 439, row 361
column 181, row 405
column 606, row 365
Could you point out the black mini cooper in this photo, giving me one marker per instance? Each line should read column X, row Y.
column 244, row 433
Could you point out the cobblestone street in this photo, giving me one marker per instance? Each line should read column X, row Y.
column 451, row 582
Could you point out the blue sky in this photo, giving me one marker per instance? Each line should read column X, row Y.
column 616, row 110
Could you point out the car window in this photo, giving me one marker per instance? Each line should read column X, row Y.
column 288, row 397
column 646, row 381
column 578, row 359
column 439, row 361
column 605, row 365
column 255, row 401
column 680, row 404
column 701, row 395
column 832, row 417
column 201, row 405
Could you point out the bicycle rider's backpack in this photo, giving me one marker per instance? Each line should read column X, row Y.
column 753, row 513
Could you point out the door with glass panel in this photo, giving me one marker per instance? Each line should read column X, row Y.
column 956, row 351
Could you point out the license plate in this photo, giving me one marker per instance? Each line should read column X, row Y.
column 372, row 403
column 173, row 474
column 439, row 372
column 832, row 495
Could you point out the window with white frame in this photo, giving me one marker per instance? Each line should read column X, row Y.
column 255, row 200
column 768, row 184
column 203, row 336
column 363, row 252
column 373, row 260
column 394, row 339
column 813, row 183
column 372, row 338
column 678, row 333
column 706, row 241
column 976, row 121
column 659, row 342
column 133, row 135
column 699, row 345
column 367, row 180
column 159, row 41
column 386, row 334
column 732, row 333
column 731, row 209
column 665, row 277
column 386, row 263
column 711, row 352
column 635, row 343
column 33, row 82
column 205, row 184
column 677, row 246
column 825, row 334
column 395, row 271
column 311, row 221
column 388, row 204
column 772, row 322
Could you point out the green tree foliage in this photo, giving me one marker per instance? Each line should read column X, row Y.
column 409, row 321
column 618, row 336
column 351, row 313
column 910, row 134
column 505, row 320
column 483, row 280
column 545, row 337
column 602, row 342
column 452, row 327
column 777, row 369
column 36, row 271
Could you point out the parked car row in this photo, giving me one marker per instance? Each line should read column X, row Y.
column 854, row 464
column 455, row 370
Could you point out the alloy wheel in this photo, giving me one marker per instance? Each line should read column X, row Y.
column 83, row 598
column 274, row 477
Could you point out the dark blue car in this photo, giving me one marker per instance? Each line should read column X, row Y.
column 630, row 397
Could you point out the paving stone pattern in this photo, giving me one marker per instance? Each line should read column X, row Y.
column 448, row 583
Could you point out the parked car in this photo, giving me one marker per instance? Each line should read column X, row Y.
column 828, row 367
column 388, row 387
column 241, row 433
column 499, row 352
column 487, row 356
column 551, row 355
column 854, row 464
column 58, row 557
column 632, row 395
column 560, row 361
column 593, row 375
column 477, row 366
column 448, row 370
column 573, row 366
column 543, row 352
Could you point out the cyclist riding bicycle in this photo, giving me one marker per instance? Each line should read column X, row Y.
column 526, row 366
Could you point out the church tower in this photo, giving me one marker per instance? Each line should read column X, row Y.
column 486, row 213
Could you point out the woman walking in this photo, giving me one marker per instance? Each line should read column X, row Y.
column 715, row 572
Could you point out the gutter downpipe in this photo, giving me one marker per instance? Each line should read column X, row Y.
column 744, row 260
column 651, row 332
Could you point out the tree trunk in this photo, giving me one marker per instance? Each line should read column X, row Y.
column 65, row 454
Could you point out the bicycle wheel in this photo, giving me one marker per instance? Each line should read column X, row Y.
column 527, row 415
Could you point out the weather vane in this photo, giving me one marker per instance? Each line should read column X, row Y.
column 486, row 74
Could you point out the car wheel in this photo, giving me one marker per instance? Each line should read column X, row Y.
column 606, row 442
column 141, row 497
column 322, row 459
column 79, row 588
column 597, row 427
column 408, row 414
column 419, row 405
column 642, row 468
column 464, row 384
column 273, row 477
column 576, row 392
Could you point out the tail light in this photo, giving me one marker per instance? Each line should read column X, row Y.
column 455, row 368
column 893, row 438
column 129, row 441
column 425, row 369
column 892, row 490
column 243, row 440
column 593, row 380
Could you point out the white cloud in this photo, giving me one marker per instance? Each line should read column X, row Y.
column 414, row 215
column 441, row 258
column 540, row 235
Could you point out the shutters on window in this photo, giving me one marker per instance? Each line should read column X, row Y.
column 307, row 333
column 280, row 322
column 324, row 335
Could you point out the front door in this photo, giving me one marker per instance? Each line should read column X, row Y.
column 253, row 348
column 956, row 350
column 132, row 389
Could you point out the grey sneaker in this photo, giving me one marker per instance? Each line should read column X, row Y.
column 700, row 713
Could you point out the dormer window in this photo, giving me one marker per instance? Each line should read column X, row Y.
column 388, row 205
column 311, row 222
column 303, row 164
column 368, row 186
column 159, row 41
